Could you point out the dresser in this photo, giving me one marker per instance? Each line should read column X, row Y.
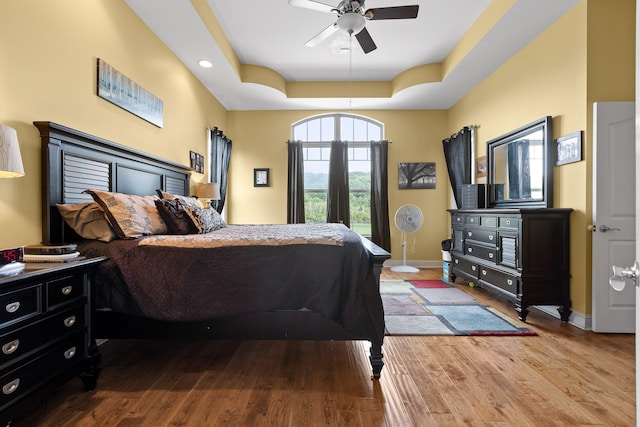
column 521, row 254
column 45, row 333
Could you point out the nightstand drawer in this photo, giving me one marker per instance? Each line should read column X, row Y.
column 63, row 290
column 24, row 340
column 20, row 304
column 42, row 368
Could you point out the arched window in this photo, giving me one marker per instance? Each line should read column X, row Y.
column 316, row 133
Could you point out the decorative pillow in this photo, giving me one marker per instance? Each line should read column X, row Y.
column 206, row 220
column 186, row 201
column 130, row 216
column 87, row 220
column 175, row 216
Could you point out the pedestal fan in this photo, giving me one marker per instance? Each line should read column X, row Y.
column 408, row 219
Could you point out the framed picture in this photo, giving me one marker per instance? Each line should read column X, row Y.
column 481, row 166
column 197, row 161
column 417, row 175
column 568, row 149
column 118, row 89
column 261, row 177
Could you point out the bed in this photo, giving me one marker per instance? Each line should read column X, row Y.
column 308, row 282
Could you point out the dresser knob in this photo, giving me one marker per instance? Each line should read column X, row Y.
column 70, row 321
column 70, row 353
column 13, row 307
column 473, row 267
column 10, row 347
column 509, row 282
column 491, row 255
column 67, row 290
column 508, row 222
column 10, row 387
column 484, row 272
column 469, row 250
column 490, row 236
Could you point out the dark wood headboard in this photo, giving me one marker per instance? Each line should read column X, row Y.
column 73, row 161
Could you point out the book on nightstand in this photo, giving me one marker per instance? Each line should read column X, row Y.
column 51, row 253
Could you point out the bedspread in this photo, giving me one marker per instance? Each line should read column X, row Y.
column 260, row 268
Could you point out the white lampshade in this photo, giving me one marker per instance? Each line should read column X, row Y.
column 10, row 159
column 351, row 22
column 208, row 190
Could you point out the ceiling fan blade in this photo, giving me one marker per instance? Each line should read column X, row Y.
column 322, row 36
column 313, row 5
column 396, row 12
column 365, row 40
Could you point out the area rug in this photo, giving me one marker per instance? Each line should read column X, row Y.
column 433, row 307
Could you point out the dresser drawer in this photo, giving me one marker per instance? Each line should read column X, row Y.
column 64, row 290
column 22, row 341
column 465, row 267
column 472, row 220
column 20, row 304
column 457, row 219
column 484, row 252
column 508, row 222
column 497, row 278
column 481, row 235
column 488, row 221
column 14, row 383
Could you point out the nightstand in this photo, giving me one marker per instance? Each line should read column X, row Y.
column 45, row 333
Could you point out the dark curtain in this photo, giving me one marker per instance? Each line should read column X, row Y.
column 519, row 172
column 380, row 231
column 219, row 164
column 457, row 154
column 295, row 183
column 338, row 192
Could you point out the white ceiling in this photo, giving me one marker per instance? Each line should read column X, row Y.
column 272, row 34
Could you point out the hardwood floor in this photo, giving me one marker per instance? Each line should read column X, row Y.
column 562, row 377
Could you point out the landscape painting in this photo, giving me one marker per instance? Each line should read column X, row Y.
column 419, row 175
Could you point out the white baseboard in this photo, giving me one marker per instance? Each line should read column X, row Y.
column 579, row 320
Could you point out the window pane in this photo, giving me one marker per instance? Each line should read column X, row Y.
column 315, row 208
column 326, row 154
column 361, row 153
column 300, row 132
column 313, row 133
column 359, row 179
column 360, row 130
column 346, row 129
column 360, row 207
column 313, row 153
column 374, row 132
column 327, row 129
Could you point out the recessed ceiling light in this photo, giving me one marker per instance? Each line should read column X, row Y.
column 205, row 63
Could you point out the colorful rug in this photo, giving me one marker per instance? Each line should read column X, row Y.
column 433, row 307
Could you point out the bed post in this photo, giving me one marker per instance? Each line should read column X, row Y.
column 378, row 257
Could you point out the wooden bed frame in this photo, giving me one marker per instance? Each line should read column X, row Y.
column 73, row 161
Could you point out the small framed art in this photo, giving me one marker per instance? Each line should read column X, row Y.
column 261, row 177
column 197, row 161
column 568, row 149
column 481, row 166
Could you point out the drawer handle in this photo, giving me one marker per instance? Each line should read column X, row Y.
column 472, row 220
column 13, row 307
column 473, row 267
column 491, row 255
column 469, row 250
column 458, row 219
column 508, row 222
column 469, row 233
column 67, row 290
column 70, row 353
column 509, row 282
column 490, row 236
column 10, row 347
column 456, row 260
column 70, row 321
column 484, row 272
column 10, row 387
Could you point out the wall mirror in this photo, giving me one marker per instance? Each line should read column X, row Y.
column 520, row 169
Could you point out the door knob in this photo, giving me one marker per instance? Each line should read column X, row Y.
column 605, row 228
column 617, row 281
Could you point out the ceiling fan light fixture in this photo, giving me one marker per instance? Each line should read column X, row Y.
column 351, row 22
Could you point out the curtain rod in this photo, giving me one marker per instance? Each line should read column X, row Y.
column 288, row 141
column 471, row 127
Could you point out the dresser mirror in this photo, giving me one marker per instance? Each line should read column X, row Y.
column 520, row 169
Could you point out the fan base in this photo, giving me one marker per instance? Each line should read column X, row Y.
column 404, row 269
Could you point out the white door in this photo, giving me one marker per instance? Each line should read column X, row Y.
column 613, row 214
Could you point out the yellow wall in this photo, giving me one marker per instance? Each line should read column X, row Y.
column 561, row 73
column 416, row 136
column 49, row 51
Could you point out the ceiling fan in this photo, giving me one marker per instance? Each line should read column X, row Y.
column 352, row 17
